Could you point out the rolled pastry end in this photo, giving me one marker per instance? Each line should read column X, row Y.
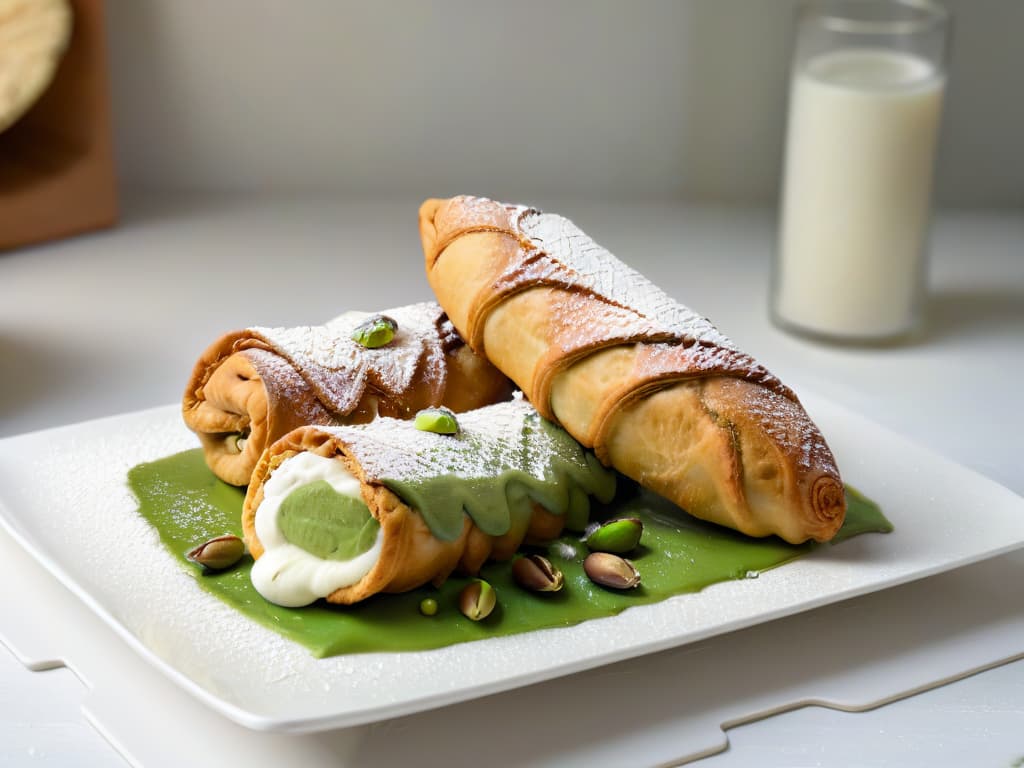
column 791, row 483
column 381, row 547
column 230, row 419
column 828, row 505
column 473, row 235
column 732, row 453
column 238, row 403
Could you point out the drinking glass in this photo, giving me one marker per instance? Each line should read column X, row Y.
column 866, row 92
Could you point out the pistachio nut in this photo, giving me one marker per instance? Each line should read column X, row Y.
column 236, row 442
column 218, row 553
column 477, row 600
column 428, row 606
column 440, row 420
column 617, row 536
column 536, row 573
column 375, row 331
column 611, row 571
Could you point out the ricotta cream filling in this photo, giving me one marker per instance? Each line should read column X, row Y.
column 289, row 575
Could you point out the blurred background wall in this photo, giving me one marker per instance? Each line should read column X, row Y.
column 652, row 98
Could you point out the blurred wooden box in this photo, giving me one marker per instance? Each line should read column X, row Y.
column 56, row 163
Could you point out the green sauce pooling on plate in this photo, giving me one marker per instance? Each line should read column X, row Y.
column 187, row 504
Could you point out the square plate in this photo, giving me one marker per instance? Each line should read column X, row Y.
column 63, row 496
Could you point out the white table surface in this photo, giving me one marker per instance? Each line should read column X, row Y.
column 112, row 322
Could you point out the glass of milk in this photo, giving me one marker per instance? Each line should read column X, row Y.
column 866, row 97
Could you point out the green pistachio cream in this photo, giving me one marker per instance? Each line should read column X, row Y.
column 325, row 523
column 678, row 554
column 504, row 458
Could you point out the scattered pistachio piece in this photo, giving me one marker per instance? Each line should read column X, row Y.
column 611, row 571
column 536, row 573
column 376, row 331
column 477, row 600
column 218, row 553
column 428, row 606
column 616, row 536
column 439, row 420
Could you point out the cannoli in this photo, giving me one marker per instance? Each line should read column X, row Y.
column 346, row 512
column 652, row 387
column 251, row 387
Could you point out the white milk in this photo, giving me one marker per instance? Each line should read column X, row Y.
column 863, row 125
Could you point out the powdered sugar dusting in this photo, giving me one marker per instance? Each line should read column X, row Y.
column 603, row 301
column 787, row 424
column 601, row 274
column 340, row 370
column 635, row 309
column 473, row 214
column 489, row 437
column 284, row 384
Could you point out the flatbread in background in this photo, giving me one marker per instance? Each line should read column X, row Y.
column 33, row 37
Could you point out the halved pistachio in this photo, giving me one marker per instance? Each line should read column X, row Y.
column 477, row 600
column 611, row 571
column 218, row 553
column 617, row 536
column 440, row 420
column 536, row 573
column 376, row 331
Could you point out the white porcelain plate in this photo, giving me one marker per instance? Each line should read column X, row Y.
column 63, row 497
